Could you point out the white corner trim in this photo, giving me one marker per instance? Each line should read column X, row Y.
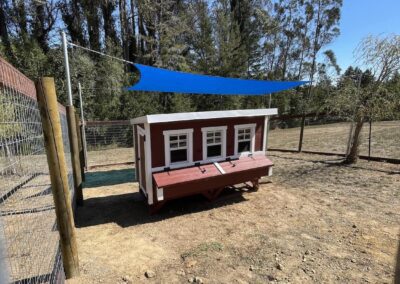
column 149, row 180
column 270, row 171
column 204, row 131
column 167, row 150
column 252, row 127
column 134, row 150
column 160, row 194
column 141, row 131
column 265, row 134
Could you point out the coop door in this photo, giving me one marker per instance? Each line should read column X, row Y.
column 142, row 163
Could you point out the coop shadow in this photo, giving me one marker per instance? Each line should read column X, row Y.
column 131, row 209
column 108, row 178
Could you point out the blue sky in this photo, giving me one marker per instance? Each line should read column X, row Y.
column 361, row 18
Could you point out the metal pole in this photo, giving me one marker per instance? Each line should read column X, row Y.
column 66, row 64
column 73, row 142
column 83, row 125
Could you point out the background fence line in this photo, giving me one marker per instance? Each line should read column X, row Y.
column 328, row 134
column 29, row 227
column 108, row 143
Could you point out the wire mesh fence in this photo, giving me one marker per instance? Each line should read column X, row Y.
column 330, row 134
column 108, row 142
column 67, row 151
column 29, row 228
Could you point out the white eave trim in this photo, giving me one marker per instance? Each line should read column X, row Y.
column 185, row 116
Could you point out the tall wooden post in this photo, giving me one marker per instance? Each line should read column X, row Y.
column 48, row 105
column 303, row 123
column 80, row 146
column 76, row 164
column 369, row 139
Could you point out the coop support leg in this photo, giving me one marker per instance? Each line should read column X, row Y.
column 156, row 207
column 256, row 184
column 213, row 193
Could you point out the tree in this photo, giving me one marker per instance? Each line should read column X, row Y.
column 44, row 18
column 363, row 95
column 73, row 18
column 260, row 39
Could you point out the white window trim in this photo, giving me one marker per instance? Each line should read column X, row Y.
column 204, row 131
column 252, row 127
column 167, row 150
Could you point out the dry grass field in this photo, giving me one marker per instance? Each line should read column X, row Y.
column 110, row 156
column 314, row 220
column 334, row 137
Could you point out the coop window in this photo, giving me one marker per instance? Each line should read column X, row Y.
column 214, row 142
column 178, row 147
column 244, row 138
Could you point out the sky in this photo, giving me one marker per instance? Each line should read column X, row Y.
column 361, row 18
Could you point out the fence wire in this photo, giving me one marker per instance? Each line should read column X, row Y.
column 330, row 134
column 67, row 151
column 29, row 228
column 108, row 142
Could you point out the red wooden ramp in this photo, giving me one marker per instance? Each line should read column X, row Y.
column 209, row 179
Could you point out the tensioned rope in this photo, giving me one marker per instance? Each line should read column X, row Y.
column 100, row 53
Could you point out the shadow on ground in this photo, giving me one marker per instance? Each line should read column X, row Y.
column 107, row 178
column 130, row 209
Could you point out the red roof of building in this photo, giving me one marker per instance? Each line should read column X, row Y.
column 178, row 176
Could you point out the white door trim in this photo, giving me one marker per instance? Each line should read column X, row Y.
column 140, row 132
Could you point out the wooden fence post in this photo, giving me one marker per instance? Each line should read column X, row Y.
column 303, row 123
column 76, row 164
column 80, row 146
column 48, row 106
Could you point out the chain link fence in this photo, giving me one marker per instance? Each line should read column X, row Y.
column 27, row 216
column 108, row 143
column 330, row 135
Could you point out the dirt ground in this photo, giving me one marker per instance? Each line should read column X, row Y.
column 313, row 221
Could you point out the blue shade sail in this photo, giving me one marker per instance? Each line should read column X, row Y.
column 154, row 79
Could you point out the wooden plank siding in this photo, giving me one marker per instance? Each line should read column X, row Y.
column 157, row 137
